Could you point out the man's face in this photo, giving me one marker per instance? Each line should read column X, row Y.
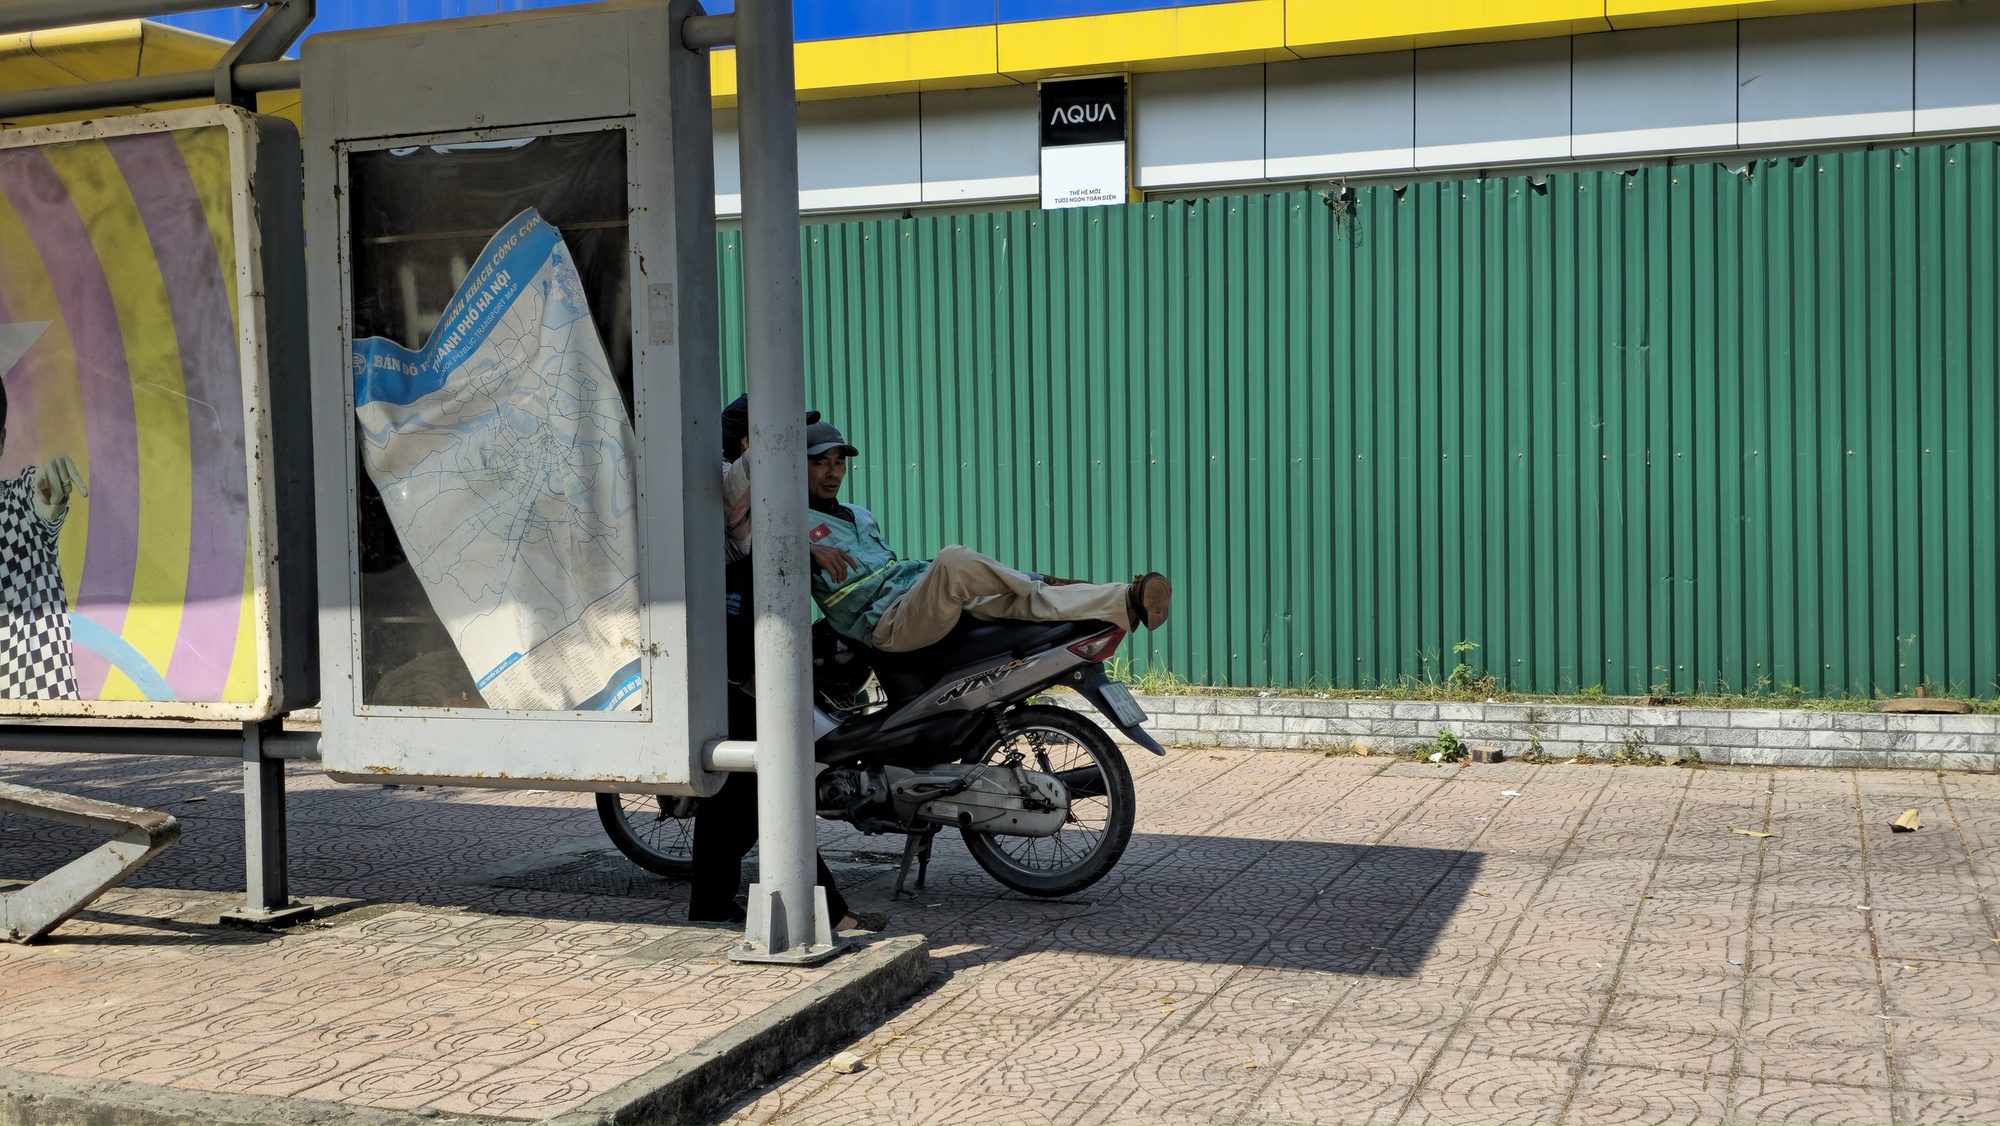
column 824, row 473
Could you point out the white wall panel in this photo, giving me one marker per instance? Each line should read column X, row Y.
column 1493, row 103
column 860, row 152
column 980, row 144
column 1816, row 79
column 1654, row 90
column 1820, row 77
column 1349, row 113
column 728, row 173
column 1198, row 126
column 1958, row 66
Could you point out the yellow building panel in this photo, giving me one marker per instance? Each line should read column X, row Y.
column 917, row 57
column 722, row 75
column 1203, row 35
column 90, row 53
column 99, row 52
column 21, row 69
column 1659, row 13
column 1322, row 27
column 1160, row 39
column 880, row 64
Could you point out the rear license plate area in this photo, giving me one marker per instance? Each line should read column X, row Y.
column 1124, row 708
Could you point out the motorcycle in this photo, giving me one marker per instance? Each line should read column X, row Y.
column 949, row 736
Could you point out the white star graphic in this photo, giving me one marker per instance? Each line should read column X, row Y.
column 16, row 339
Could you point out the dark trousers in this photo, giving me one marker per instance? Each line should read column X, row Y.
column 725, row 826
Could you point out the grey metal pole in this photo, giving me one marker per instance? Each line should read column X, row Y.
column 249, row 78
column 787, row 916
column 34, row 15
column 267, row 893
column 194, row 742
column 138, row 91
column 266, row 41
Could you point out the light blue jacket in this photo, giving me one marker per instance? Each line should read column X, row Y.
column 879, row 577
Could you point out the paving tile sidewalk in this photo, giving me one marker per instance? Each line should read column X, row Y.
column 482, row 954
column 1302, row 939
column 1290, row 939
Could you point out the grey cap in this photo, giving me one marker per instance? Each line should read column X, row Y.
column 824, row 436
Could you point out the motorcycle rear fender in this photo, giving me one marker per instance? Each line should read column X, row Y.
column 1090, row 681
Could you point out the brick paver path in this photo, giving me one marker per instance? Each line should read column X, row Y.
column 1290, row 939
column 1299, row 939
column 422, row 996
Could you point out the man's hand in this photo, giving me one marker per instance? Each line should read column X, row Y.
column 53, row 482
column 835, row 562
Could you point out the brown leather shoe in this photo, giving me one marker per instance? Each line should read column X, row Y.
column 1152, row 595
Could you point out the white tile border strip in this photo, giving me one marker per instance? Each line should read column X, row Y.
column 1208, row 172
column 1340, row 163
column 990, row 187
column 1835, row 127
column 1746, row 736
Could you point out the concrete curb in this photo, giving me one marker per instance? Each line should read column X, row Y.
column 31, row 1099
column 1719, row 736
column 858, row 990
column 855, row 990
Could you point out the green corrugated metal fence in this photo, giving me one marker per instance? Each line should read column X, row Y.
column 1722, row 430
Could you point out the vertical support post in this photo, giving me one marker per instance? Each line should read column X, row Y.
column 267, row 39
column 787, row 917
column 267, row 899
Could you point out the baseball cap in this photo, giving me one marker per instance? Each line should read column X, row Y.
column 824, row 436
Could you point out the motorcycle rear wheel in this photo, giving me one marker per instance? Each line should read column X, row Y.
column 654, row 831
column 1068, row 745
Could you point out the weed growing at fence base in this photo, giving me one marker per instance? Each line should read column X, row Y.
column 1474, row 688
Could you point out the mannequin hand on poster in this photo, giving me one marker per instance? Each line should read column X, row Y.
column 53, row 483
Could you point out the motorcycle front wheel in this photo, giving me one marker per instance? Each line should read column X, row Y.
column 654, row 831
column 1060, row 742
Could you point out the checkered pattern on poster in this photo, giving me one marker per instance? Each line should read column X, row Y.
column 37, row 657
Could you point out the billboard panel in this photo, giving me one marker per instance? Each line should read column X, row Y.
column 136, row 570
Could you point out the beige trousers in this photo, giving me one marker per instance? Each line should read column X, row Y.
column 960, row 580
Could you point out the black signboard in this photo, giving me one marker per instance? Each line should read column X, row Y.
column 1086, row 111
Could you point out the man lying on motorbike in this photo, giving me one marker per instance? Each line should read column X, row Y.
column 725, row 825
column 871, row 595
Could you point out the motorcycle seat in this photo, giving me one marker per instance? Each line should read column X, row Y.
column 969, row 642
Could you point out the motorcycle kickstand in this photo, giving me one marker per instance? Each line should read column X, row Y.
column 924, row 859
column 910, row 844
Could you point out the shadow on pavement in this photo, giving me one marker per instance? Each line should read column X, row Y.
column 1308, row 905
column 1304, row 905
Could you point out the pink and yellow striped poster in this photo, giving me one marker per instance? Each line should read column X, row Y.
column 128, row 569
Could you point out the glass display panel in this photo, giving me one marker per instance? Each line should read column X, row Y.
column 496, row 476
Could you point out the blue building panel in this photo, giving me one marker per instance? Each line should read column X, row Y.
column 886, row 17
column 812, row 19
column 1019, row 11
column 228, row 23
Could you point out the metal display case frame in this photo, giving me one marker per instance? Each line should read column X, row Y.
column 546, row 72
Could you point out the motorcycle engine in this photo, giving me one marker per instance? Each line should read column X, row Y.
column 841, row 792
column 981, row 798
